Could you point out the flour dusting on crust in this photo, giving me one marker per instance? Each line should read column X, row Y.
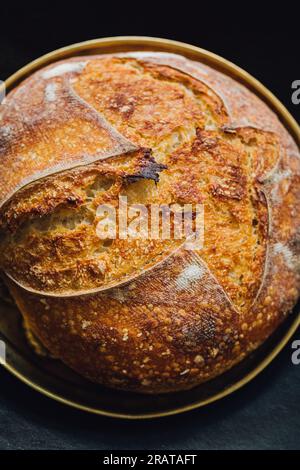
column 50, row 92
column 62, row 69
column 189, row 275
column 287, row 254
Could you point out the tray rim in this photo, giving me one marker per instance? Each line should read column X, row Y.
column 160, row 414
column 126, row 43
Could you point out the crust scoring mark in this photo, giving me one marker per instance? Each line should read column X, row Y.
column 68, row 104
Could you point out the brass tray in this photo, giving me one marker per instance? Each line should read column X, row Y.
column 55, row 380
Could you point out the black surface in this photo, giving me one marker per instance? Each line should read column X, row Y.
column 265, row 43
column 266, row 413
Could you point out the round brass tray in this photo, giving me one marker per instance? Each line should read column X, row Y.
column 51, row 377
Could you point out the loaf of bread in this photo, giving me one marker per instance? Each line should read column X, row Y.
column 143, row 314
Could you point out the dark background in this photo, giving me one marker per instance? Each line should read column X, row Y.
column 264, row 42
column 266, row 413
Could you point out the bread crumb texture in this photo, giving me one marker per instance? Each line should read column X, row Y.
column 147, row 315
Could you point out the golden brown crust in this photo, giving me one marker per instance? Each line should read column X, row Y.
column 144, row 315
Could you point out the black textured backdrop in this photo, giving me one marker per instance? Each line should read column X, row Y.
column 266, row 413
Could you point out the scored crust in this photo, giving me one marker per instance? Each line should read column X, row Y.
column 147, row 315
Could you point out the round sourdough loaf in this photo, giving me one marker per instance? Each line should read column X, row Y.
column 147, row 315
